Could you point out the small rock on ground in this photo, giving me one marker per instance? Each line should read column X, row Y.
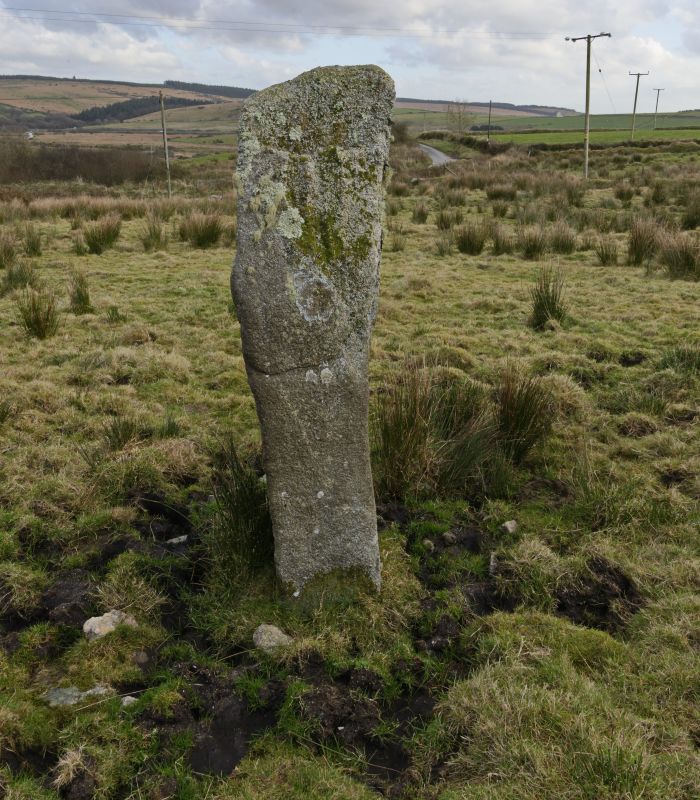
column 71, row 695
column 510, row 527
column 96, row 627
column 269, row 638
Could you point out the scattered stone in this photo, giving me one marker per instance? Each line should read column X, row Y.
column 97, row 627
column 449, row 538
column 510, row 527
column 129, row 700
column 429, row 545
column 493, row 565
column 269, row 638
column 70, row 695
column 177, row 540
column 141, row 658
column 312, row 161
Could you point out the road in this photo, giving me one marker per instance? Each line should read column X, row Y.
column 435, row 156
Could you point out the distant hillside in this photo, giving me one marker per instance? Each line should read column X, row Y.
column 499, row 108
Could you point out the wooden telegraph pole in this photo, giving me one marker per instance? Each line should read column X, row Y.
column 636, row 94
column 488, row 130
column 165, row 141
column 587, row 129
column 656, row 110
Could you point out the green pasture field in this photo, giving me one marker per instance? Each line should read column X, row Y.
column 555, row 658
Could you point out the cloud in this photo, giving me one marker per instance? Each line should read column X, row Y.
column 512, row 50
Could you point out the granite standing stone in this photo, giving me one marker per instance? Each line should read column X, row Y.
column 312, row 162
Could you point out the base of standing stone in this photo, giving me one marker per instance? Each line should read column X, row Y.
column 316, row 459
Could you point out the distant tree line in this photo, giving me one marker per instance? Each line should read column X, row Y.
column 487, row 127
column 126, row 109
column 205, row 88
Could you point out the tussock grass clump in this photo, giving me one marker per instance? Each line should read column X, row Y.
column 680, row 254
column 643, row 241
column 502, row 191
column 499, row 210
column 6, row 411
column 446, row 220
column 8, row 250
column 562, row 238
column 443, row 245
column 532, row 241
column 684, row 357
column 18, row 276
column 624, row 192
column 471, row 238
column 523, row 413
column 420, row 213
column 31, row 240
column 240, row 541
column 691, row 214
column 201, row 230
column 153, row 234
column 435, row 434
column 397, row 242
column 102, row 234
column 38, row 312
column 79, row 293
column 547, row 297
column 503, row 240
column 393, row 207
column 403, row 456
column 80, row 247
column 606, row 251
column 123, row 430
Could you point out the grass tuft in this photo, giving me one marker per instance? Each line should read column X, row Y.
column 38, row 312
column 18, row 276
column 547, row 297
column 532, row 241
column 606, row 251
column 240, row 541
column 643, row 241
column 523, row 413
column 153, row 235
column 471, row 238
column 102, row 234
column 8, row 250
column 201, row 230
column 680, row 254
column 79, row 293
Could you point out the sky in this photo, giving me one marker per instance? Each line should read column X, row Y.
column 503, row 50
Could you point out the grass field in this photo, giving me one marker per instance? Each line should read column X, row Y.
column 555, row 658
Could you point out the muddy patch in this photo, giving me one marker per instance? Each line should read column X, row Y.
column 224, row 740
column 631, row 358
column 604, row 598
column 348, row 712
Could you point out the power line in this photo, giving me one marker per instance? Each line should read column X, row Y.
column 605, row 83
column 254, row 26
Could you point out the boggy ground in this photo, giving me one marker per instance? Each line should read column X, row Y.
column 559, row 659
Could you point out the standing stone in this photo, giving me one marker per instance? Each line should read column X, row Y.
column 312, row 160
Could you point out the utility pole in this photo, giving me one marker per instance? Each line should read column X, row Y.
column 636, row 94
column 165, row 141
column 488, row 130
column 587, row 129
column 656, row 110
